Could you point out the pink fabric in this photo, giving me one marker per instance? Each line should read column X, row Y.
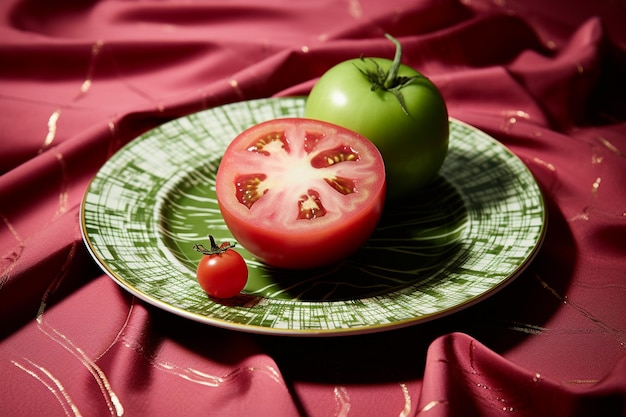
column 79, row 79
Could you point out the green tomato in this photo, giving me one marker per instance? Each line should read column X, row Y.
column 397, row 108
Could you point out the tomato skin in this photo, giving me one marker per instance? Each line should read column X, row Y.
column 413, row 145
column 222, row 275
column 271, row 228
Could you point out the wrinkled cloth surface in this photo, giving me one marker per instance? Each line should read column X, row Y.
column 79, row 79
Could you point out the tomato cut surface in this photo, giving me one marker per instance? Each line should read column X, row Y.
column 301, row 193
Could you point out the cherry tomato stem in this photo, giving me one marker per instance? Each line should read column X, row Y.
column 215, row 250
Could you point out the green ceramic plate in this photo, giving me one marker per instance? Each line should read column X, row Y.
column 460, row 240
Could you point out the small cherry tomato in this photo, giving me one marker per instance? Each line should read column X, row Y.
column 222, row 271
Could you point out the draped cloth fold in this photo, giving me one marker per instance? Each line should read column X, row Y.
column 80, row 79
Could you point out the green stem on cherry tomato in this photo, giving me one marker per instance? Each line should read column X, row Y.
column 389, row 81
column 215, row 250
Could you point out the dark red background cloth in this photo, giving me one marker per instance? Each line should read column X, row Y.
column 79, row 79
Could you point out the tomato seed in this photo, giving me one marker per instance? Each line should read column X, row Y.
column 334, row 156
column 342, row 185
column 310, row 206
column 248, row 188
column 270, row 143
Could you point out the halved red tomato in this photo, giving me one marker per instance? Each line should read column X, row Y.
column 301, row 193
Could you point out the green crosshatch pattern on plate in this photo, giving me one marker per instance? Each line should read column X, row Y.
column 454, row 243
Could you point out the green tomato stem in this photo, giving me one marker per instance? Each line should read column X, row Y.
column 389, row 80
column 392, row 74
column 215, row 250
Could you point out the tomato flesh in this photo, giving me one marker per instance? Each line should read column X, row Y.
column 300, row 193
